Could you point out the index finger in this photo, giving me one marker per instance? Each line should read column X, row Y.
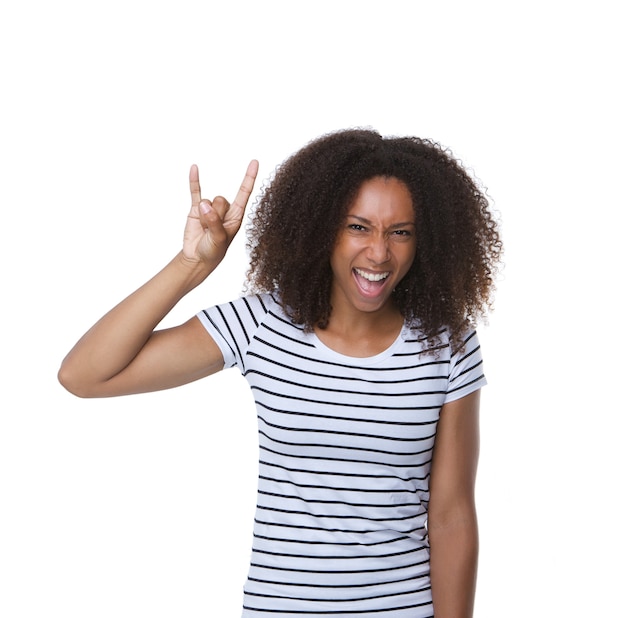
column 194, row 185
column 243, row 195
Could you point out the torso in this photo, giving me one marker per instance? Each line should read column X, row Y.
column 345, row 446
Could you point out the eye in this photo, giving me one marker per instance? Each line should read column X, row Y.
column 402, row 233
column 357, row 227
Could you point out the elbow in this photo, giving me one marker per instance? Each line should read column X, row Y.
column 71, row 382
column 459, row 526
column 459, row 515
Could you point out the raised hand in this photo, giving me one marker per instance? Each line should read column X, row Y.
column 212, row 225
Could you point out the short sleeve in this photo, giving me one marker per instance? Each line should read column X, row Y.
column 466, row 370
column 210, row 320
column 232, row 326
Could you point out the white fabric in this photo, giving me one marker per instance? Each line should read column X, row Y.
column 345, row 451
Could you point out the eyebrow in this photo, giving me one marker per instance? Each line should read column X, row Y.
column 368, row 222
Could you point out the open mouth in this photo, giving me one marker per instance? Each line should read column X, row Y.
column 370, row 283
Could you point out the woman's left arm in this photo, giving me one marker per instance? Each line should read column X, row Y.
column 452, row 521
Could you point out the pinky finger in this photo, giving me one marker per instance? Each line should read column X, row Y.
column 245, row 190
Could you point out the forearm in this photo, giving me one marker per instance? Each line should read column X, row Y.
column 114, row 341
column 453, row 566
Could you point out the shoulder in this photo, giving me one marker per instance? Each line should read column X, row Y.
column 437, row 346
column 442, row 344
column 233, row 324
column 463, row 361
column 466, row 367
column 244, row 309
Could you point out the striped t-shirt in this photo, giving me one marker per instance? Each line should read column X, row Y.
column 345, row 451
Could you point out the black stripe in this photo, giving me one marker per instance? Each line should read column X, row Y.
column 333, row 543
column 339, row 403
column 327, row 516
column 283, row 336
column 327, row 389
column 346, row 366
column 363, row 449
column 359, row 557
column 334, row 488
column 434, row 349
column 364, row 461
column 241, row 324
column 285, row 497
column 468, row 370
column 480, row 377
column 341, row 571
column 251, row 312
column 351, row 378
column 338, row 612
column 346, row 474
column 351, row 434
column 362, row 585
column 208, row 317
column 231, row 334
column 348, row 531
column 354, row 420
column 353, row 599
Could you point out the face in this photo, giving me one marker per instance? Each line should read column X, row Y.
column 375, row 247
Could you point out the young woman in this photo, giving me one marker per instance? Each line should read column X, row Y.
column 371, row 258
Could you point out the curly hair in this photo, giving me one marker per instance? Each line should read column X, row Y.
column 295, row 222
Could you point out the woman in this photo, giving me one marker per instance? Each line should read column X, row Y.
column 370, row 259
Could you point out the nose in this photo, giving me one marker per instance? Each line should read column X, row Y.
column 378, row 249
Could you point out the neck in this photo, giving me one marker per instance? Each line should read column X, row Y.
column 362, row 334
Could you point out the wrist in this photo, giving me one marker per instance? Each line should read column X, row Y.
column 193, row 272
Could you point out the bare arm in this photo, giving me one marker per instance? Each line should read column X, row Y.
column 452, row 522
column 122, row 353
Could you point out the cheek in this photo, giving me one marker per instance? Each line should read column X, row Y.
column 345, row 251
column 405, row 256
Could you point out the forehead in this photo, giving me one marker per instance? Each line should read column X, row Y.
column 383, row 198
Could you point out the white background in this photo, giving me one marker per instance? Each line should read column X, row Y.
column 143, row 506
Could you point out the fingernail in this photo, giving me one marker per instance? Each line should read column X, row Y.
column 205, row 208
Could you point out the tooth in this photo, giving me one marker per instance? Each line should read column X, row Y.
column 372, row 276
